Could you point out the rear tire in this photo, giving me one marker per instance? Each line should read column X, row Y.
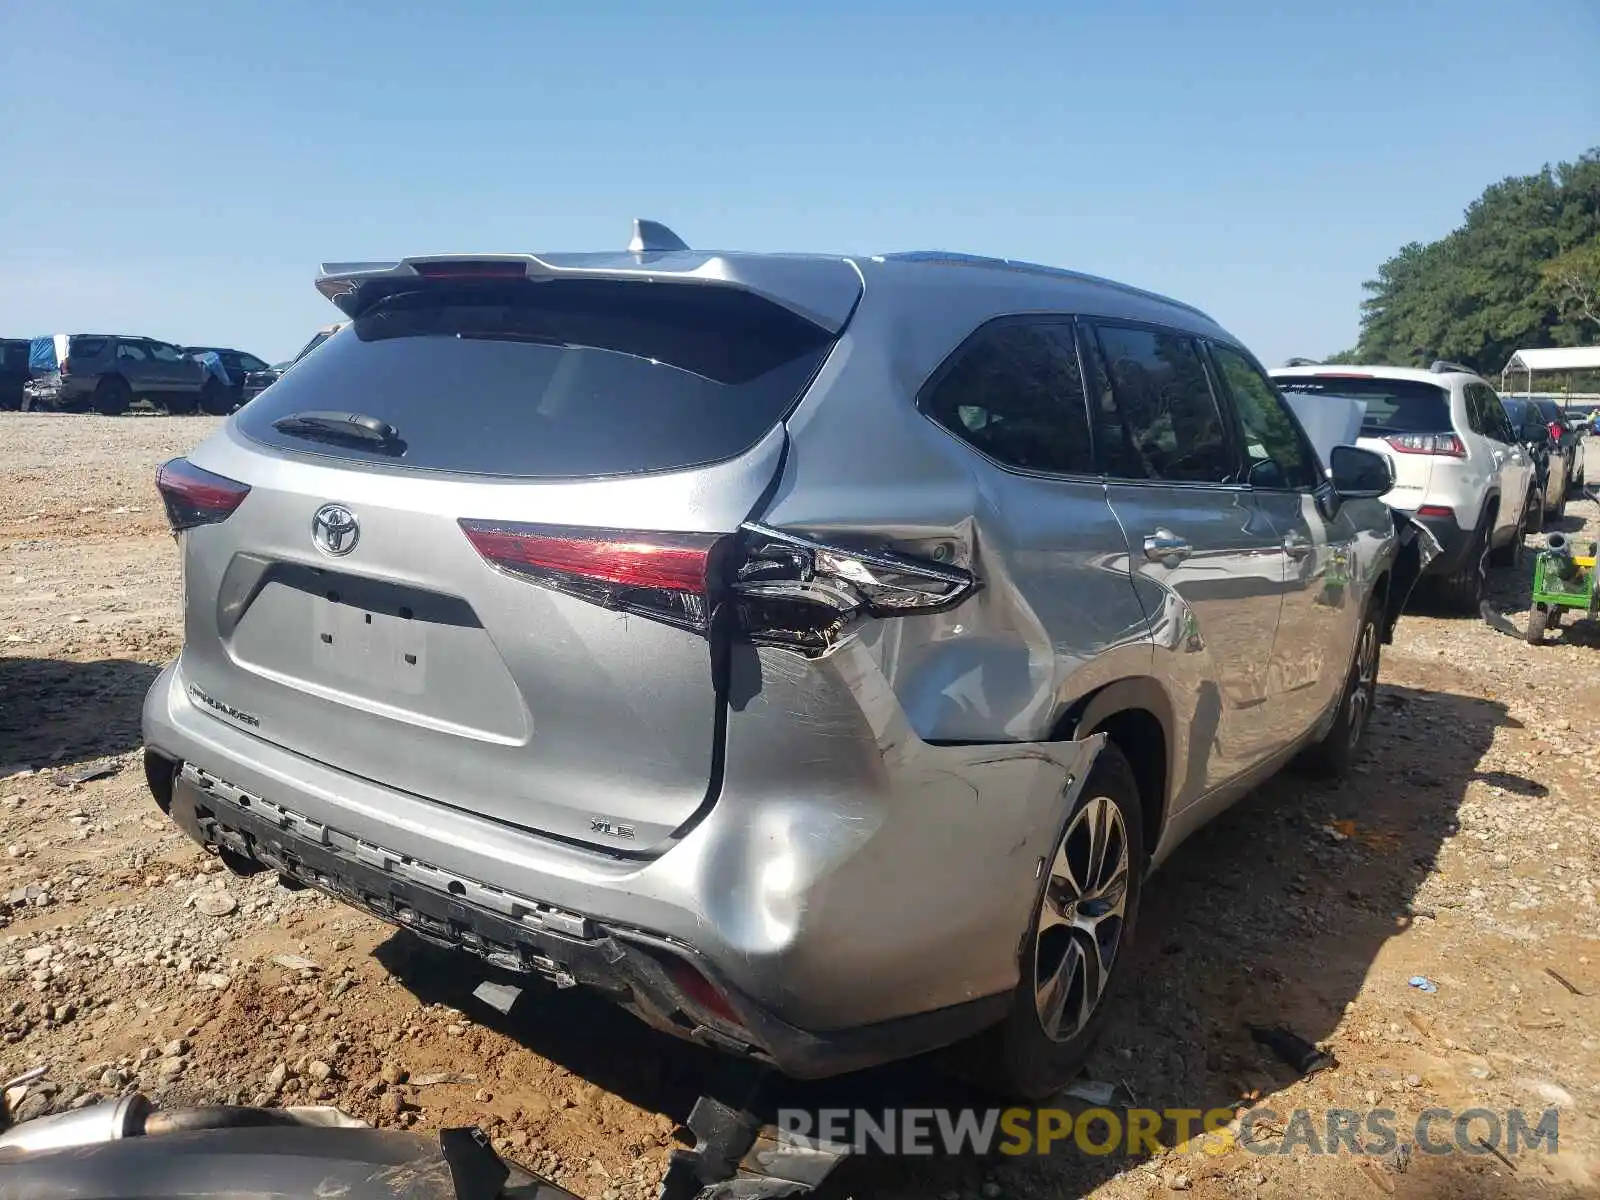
column 1463, row 592
column 1560, row 510
column 1060, row 1001
column 1335, row 755
column 1538, row 622
column 1510, row 555
column 215, row 400
column 112, row 397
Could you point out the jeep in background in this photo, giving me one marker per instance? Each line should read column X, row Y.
column 104, row 372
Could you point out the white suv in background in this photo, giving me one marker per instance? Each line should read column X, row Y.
column 1458, row 466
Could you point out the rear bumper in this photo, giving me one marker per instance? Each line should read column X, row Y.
column 1454, row 544
column 859, row 908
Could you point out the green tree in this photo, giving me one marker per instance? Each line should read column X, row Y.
column 1522, row 270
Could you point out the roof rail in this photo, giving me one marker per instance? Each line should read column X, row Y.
column 651, row 236
column 1443, row 366
column 1303, row 362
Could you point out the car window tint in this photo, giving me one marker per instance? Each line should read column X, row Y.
column 1014, row 392
column 1494, row 423
column 130, row 351
column 164, row 352
column 249, row 362
column 1277, row 454
column 87, row 347
column 561, row 379
column 1161, row 387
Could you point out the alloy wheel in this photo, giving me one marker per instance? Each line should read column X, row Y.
column 1364, row 682
column 1081, row 919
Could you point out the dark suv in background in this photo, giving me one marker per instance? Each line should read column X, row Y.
column 237, row 366
column 14, row 371
column 1566, row 435
column 104, row 372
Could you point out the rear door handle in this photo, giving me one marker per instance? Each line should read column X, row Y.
column 1296, row 546
column 1164, row 546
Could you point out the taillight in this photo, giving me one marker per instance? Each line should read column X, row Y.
column 63, row 366
column 663, row 575
column 197, row 497
column 1447, row 444
column 1555, row 431
column 1436, row 510
column 783, row 589
column 804, row 594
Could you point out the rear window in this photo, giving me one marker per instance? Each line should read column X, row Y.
column 89, row 347
column 1393, row 405
column 557, row 379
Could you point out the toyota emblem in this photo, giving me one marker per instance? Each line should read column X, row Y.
column 335, row 530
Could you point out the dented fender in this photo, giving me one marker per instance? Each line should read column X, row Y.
column 857, row 872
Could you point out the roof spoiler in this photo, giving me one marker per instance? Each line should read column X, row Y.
column 823, row 291
column 1302, row 362
column 1443, row 366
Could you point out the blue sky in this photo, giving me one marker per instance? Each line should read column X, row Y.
column 181, row 169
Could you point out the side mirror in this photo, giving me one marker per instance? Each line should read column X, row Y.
column 1360, row 474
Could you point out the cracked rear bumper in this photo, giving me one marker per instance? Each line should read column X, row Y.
column 855, row 895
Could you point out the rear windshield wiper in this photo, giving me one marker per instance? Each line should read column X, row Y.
column 342, row 427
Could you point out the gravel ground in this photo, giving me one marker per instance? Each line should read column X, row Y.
column 1465, row 851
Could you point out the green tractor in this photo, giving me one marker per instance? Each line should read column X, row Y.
column 1563, row 579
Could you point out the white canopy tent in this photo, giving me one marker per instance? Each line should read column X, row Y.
column 1563, row 358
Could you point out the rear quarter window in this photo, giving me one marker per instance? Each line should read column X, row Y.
column 86, row 347
column 564, row 379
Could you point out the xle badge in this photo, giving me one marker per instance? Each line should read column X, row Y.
column 610, row 828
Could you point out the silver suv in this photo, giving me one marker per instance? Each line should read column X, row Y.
column 811, row 654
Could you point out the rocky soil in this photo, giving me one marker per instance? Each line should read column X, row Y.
column 1466, row 853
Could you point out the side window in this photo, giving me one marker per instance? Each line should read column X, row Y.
column 1479, row 418
column 164, row 352
column 1015, row 393
column 127, row 350
column 1277, row 454
column 1174, row 428
column 1498, row 425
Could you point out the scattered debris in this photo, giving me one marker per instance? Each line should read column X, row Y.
column 1092, row 1091
column 1293, row 1049
column 84, row 774
column 498, row 996
column 435, row 1078
column 295, row 962
column 1423, row 984
column 1485, row 1144
column 1562, row 980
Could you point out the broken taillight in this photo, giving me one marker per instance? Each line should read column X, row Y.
column 805, row 594
column 194, row 496
column 783, row 589
column 661, row 575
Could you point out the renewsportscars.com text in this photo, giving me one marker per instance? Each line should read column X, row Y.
column 1139, row 1131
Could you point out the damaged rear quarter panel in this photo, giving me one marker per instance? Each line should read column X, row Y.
column 891, row 875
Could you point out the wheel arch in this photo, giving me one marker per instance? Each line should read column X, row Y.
column 1137, row 715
